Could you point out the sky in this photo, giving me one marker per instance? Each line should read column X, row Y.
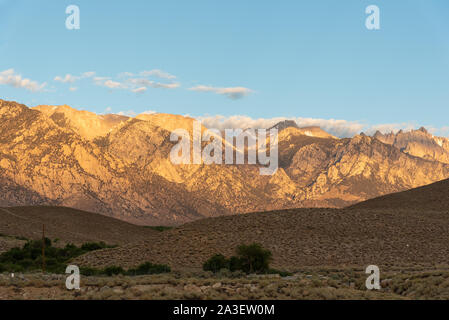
column 234, row 63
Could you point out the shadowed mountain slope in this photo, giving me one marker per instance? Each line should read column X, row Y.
column 69, row 226
column 431, row 197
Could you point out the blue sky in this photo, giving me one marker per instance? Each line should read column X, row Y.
column 264, row 59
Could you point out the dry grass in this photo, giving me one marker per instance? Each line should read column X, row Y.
column 321, row 284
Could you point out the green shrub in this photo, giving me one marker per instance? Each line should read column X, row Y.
column 149, row 268
column 159, row 228
column 86, row 271
column 216, row 263
column 29, row 257
column 235, row 264
column 90, row 246
column 251, row 258
column 113, row 271
column 143, row 269
column 280, row 272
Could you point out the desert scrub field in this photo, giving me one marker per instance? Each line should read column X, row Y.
column 307, row 284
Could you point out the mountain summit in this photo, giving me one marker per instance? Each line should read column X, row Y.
column 284, row 125
column 419, row 143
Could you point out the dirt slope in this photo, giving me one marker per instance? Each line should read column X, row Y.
column 69, row 225
column 431, row 197
column 298, row 238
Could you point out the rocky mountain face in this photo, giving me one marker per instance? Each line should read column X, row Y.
column 419, row 143
column 87, row 124
column 120, row 167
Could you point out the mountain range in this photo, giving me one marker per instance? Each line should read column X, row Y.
column 119, row 166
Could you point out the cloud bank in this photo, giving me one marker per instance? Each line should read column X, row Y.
column 68, row 78
column 233, row 93
column 338, row 128
column 138, row 83
column 11, row 78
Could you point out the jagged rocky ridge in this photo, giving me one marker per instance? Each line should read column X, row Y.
column 120, row 167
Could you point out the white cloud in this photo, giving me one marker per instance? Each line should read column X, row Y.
column 68, row 78
column 113, row 84
column 9, row 77
column 158, row 74
column 150, row 83
column 166, row 85
column 149, row 112
column 230, row 92
column 137, row 85
column 88, row 74
column 129, row 113
column 99, row 79
column 444, row 131
column 390, row 127
column 126, row 75
column 338, row 128
column 140, row 82
column 139, row 90
column 73, row 89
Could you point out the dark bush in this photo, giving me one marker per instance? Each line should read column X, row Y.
column 149, row 268
column 280, row 272
column 235, row 264
column 29, row 257
column 216, row 263
column 113, row 271
column 254, row 258
column 90, row 246
column 251, row 258
column 159, row 228
column 86, row 271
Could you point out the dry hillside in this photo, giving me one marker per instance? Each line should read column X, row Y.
column 431, row 197
column 69, row 225
column 409, row 228
column 298, row 238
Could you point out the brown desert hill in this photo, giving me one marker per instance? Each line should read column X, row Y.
column 298, row 238
column 409, row 228
column 433, row 197
column 69, row 226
